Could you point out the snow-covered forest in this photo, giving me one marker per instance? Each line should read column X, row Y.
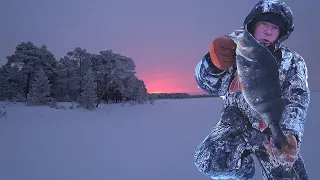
column 33, row 75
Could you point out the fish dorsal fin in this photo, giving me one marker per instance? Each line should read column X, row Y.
column 235, row 85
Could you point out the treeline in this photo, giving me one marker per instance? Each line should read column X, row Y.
column 177, row 96
column 33, row 75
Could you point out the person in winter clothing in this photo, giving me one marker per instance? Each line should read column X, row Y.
column 226, row 152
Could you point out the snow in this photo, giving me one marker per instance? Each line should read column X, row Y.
column 268, row 3
column 287, row 56
column 119, row 142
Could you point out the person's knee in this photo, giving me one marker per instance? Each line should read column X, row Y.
column 221, row 154
column 216, row 163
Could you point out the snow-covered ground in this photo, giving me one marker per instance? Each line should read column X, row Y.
column 115, row 142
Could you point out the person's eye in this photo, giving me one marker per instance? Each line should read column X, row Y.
column 274, row 26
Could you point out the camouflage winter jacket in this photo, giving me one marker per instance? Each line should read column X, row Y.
column 293, row 77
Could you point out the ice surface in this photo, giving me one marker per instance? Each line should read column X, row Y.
column 120, row 142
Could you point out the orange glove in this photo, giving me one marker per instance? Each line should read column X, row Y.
column 223, row 52
column 289, row 155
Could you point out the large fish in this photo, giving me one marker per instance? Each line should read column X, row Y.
column 259, row 78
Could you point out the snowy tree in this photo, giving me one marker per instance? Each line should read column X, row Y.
column 141, row 92
column 4, row 85
column 135, row 89
column 48, row 62
column 27, row 60
column 88, row 96
column 59, row 86
column 83, row 59
column 66, row 76
column 67, row 85
column 12, row 77
column 104, row 71
column 112, row 70
column 40, row 89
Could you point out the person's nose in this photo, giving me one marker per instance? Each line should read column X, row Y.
column 268, row 31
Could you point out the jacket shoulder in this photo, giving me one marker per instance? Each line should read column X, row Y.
column 289, row 54
column 293, row 57
column 294, row 61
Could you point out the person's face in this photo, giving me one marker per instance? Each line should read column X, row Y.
column 266, row 33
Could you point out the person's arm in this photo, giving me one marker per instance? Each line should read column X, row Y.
column 296, row 95
column 210, row 78
column 214, row 71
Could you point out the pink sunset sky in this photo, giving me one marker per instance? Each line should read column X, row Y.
column 166, row 39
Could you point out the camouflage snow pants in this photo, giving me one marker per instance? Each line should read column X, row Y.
column 226, row 152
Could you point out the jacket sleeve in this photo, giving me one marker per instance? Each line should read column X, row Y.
column 211, row 79
column 296, row 95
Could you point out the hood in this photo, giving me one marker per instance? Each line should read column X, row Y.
column 274, row 6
